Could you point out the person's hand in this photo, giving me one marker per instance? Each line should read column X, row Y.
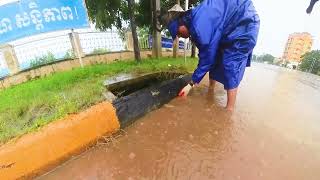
column 185, row 91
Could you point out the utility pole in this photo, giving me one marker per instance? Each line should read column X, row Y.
column 185, row 41
column 156, row 38
column 176, row 42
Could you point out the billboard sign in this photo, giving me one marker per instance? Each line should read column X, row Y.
column 166, row 43
column 23, row 18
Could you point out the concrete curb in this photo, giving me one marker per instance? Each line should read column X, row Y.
column 36, row 153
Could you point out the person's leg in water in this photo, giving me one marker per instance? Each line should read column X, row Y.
column 232, row 96
column 212, row 84
column 217, row 74
column 227, row 76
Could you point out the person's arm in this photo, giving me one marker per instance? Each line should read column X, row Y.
column 206, row 60
column 207, row 55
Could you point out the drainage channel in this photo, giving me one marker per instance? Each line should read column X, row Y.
column 134, row 96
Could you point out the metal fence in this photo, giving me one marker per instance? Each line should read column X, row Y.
column 29, row 51
column 58, row 45
column 108, row 41
column 3, row 66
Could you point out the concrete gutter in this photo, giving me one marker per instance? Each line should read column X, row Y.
column 137, row 104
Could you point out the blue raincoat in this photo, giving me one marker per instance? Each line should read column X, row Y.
column 225, row 32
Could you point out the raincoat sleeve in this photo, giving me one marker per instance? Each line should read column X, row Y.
column 206, row 60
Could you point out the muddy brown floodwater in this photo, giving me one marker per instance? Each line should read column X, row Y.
column 274, row 134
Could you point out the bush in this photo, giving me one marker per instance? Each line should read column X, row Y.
column 45, row 59
column 99, row 51
column 311, row 62
column 69, row 55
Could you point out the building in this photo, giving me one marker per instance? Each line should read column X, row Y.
column 297, row 45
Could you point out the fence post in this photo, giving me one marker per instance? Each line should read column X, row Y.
column 129, row 41
column 76, row 46
column 10, row 58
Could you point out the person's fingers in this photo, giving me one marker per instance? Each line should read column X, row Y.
column 181, row 93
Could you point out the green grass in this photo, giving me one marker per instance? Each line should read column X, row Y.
column 29, row 106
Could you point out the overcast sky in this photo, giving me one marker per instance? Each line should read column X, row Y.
column 279, row 18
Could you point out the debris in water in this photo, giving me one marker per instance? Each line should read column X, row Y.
column 191, row 137
column 132, row 155
column 155, row 93
column 168, row 106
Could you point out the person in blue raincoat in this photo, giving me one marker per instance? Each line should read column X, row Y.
column 225, row 32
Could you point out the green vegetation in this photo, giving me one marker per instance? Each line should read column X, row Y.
column 69, row 54
column 29, row 106
column 99, row 51
column 268, row 58
column 106, row 14
column 311, row 62
column 45, row 59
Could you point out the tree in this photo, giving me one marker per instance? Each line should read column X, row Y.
column 112, row 13
column 144, row 11
column 156, row 34
column 254, row 57
column 264, row 58
column 311, row 62
column 134, row 30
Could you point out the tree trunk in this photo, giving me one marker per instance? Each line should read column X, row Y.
column 176, row 42
column 134, row 31
column 193, row 50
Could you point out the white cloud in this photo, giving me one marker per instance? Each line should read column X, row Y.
column 2, row 2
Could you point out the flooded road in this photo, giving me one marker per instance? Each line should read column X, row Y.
column 274, row 133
